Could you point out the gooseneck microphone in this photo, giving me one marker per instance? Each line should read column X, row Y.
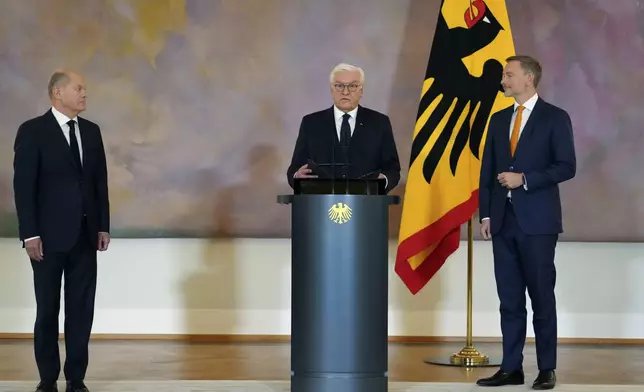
column 335, row 137
column 345, row 132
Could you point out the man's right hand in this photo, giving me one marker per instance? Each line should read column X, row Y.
column 304, row 172
column 485, row 229
column 34, row 249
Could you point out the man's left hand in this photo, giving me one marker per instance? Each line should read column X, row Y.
column 103, row 241
column 510, row 180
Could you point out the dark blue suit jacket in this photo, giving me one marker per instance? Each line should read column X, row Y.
column 545, row 154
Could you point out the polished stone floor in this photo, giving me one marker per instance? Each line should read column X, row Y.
column 281, row 386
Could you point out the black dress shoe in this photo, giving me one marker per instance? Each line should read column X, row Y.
column 545, row 380
column 47, row 387
column 76, row 386
column 501, row 378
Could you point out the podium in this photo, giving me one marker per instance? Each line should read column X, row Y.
column 339, row 294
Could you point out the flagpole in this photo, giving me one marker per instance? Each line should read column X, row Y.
column 469, row 356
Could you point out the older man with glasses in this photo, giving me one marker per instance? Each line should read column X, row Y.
column 347, row 133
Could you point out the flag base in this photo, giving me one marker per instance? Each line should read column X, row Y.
column 467, row 357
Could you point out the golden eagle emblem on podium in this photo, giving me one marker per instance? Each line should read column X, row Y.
column 340, row 213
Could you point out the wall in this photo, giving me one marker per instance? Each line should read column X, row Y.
column 200, row 102
column 200, row 105
column 189, row 286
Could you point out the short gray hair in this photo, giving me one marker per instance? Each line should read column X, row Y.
column 346, row 67
column 57, row 79
column 530, row 65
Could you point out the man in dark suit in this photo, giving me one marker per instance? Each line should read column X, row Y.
column 364, row 134
column 529, row 151
column 61, row 196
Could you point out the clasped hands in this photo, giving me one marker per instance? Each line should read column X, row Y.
column 510, row 180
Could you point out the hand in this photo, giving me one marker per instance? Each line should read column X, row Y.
column 486, row 233
column 34, row 249
column 103, row 241
column 510, row 180
column 304, row 172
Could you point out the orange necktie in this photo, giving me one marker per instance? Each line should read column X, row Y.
column 514, row 138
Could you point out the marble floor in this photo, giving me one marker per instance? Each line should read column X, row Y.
column 281, row 386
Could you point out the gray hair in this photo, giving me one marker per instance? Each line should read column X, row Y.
column 346, row 67
column 58, row 79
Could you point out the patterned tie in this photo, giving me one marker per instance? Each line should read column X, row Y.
column 514, row 139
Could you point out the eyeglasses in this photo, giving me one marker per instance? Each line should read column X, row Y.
column 339, row 87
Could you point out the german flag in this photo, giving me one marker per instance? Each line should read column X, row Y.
column 461, row 90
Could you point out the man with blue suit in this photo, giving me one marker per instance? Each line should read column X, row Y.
column 529, row 151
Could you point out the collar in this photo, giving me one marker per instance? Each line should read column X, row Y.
column 337, row 113
column 61, row 118
column 529, row 104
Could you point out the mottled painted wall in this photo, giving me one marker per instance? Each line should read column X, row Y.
column 200, row 100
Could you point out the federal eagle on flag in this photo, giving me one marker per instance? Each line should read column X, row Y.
column 461, row 89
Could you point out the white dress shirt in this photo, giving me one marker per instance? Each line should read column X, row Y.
column 62, row 120
column 529, row 107
column 339, row 114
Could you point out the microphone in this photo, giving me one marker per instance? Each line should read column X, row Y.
column 333, row 162
column 345, row 153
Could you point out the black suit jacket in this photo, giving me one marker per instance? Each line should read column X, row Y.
column 372, row 147
column 52, row 195
column 545, row 155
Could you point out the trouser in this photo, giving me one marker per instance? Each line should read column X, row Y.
column 78, row 265
column 525, row 261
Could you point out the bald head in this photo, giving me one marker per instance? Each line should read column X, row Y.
column 67, row 91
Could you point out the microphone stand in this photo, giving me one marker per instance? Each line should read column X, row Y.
column 345, row 152
column 333, row 164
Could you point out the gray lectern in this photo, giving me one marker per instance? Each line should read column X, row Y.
column 339, row 285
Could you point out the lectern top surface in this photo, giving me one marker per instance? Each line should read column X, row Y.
column 288, row 199
column 340, row 186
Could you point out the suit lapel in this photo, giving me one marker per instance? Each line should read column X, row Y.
column 529, row 126
column 85, row 142
column 358, row 131
column 505, row 134
column 329, row 122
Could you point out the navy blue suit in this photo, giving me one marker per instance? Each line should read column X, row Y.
column 525, row 227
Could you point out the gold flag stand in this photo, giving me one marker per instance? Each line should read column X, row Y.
column 469, row 356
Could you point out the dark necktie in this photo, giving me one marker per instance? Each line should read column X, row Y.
column 345, row 130
column 73, row 144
